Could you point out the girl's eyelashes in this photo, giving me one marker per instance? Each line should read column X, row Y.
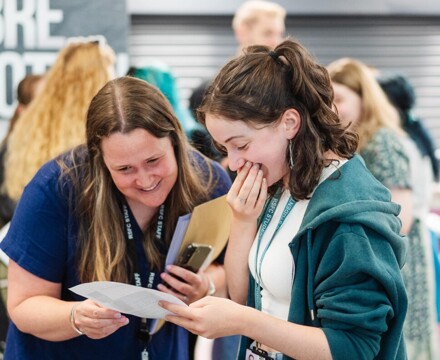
column 224, row 151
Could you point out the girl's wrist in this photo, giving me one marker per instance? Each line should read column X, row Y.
column 240, row 224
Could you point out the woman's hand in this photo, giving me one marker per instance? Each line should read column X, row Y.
column 248, row 193
column 185, row 284
column 210, row 317
column 95, row 321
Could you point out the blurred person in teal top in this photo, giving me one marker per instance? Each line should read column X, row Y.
column 160, row 75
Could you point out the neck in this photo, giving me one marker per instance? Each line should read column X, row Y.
column 286, row 177
column 329, row 155
column 286, row 181
column 142, row 213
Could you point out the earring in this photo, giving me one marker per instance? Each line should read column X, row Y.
column 290, row 154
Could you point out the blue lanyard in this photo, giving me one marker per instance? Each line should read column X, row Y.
column 267, row 217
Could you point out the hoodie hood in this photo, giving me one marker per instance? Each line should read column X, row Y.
column 336, row 199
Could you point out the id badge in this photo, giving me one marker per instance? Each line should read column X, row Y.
column 255, row 353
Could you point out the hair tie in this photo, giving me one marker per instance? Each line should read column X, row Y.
column 273, row 55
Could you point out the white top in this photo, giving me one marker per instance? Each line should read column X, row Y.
column 422, row 178
column 278, row 268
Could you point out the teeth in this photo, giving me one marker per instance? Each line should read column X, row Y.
column 150, row 188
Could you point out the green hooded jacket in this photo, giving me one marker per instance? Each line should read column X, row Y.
column 348, row 254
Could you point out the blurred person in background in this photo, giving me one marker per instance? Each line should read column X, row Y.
column 160, row 75
column 55, row 120
column 255, row 22
column 259, row 22
column 402, row 95
column 394, row 159
column 27, row 89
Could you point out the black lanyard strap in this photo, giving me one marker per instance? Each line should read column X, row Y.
column 138, row 258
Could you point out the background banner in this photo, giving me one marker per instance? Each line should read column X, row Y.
column 33, row 31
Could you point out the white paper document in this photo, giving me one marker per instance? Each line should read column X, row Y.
column 128, row 299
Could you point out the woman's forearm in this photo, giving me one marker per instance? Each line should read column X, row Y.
column 45, row 317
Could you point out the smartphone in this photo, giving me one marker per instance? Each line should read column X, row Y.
column 194, row 256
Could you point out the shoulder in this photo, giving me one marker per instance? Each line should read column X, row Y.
column 351, row 182
column 387, row 158
column 386, row 142
column 46, row 176
column 213, row 173
column 352, row 195
column 384, row 250
column 55, row 179
column 205, row 164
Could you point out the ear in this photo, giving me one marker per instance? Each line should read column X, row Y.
column 20, row 108
column 291, row 121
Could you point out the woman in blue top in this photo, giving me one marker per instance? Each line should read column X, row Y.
column 107, row 211
column 314, row 254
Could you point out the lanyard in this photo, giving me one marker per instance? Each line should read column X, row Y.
column 267, row 217
column 142, row 276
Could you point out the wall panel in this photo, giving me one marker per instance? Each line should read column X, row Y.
column 197, row 46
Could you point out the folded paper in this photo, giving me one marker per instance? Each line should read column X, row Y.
column 126, row 298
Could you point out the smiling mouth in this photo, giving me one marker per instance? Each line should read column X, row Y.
column 151, row 188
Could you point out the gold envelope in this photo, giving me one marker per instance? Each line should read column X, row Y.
column 209, row 224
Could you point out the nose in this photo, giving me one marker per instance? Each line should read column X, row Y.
column 144, row 179
column 235, row 162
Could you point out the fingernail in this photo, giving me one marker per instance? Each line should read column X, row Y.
column 248, row 164
column 118, row 316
